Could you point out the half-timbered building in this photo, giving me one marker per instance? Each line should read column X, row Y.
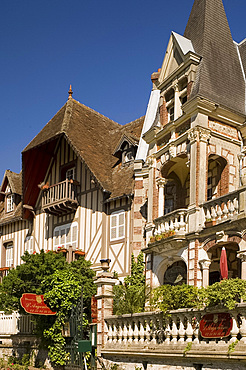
column 75, row 191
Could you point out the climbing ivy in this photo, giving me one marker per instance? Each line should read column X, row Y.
column 129, row 296
column 60, row 282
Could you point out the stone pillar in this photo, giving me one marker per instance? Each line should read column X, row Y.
column 104, row 281
column 198, row 137
column 177, row 105
column 242, row 256
column 161, row 185
column 205, row 272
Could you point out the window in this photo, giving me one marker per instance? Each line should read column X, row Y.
column 117, row 225
column 29, row 244
column 70, row 173
column 170, row 112
column 10, row 202
column 9, row 254
column 66, row 235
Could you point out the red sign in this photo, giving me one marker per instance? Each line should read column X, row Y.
column 216, row 325
column 34, row 304
column 94, row 309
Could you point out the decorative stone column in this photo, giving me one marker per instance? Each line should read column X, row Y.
column 104, row 281
column 161, row 185
column 242, row 256
column 205, row 272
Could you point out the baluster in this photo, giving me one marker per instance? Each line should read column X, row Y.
column 120, row 332
column 167, row 332
column 231, row 208
column 167, row 225
column 234, row 330
column 114, row 336
column 236, row 205
column 171, row 224
column 189, row 329
column 225, row 211
column 154, row 330
column 176, row 224
column 208, row 215
column 110, row 332
column 196, row 328
column 161, row 328
column 141, row 331
column 182, row 224
column 130, row 332
column 219, row 212
column 242, row 329
column 174, row 330
column 181, row 330
column 162, row 227
column 124, row 333
column 148, row 334
column 213, row 213
column 135, row 333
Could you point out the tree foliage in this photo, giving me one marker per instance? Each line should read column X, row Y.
column 60, row 282
column 129, row 296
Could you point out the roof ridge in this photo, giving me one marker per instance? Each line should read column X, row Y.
column 67, row 115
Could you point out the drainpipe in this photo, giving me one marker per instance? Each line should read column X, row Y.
column 240, row 156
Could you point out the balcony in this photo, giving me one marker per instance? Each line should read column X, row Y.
column 60, row 198
column 226, row 207
column 216, row 333
column 169, row 231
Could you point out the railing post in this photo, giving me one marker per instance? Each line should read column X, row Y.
column 104, row 282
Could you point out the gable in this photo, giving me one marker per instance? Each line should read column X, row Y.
column 178, row 47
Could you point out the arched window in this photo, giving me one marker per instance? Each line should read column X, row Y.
column 176, row 274
column 218, row 177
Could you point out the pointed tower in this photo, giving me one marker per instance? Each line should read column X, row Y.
column 220, row 77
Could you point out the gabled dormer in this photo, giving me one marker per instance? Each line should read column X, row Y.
column 10, row 193
column 126, row 149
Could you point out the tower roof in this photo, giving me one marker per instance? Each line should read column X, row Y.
column 219, row 77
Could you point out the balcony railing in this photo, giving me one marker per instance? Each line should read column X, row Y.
column 154, row 333
column 15, row 324
column 60, row 198
column 174, row 221
column 222, row 208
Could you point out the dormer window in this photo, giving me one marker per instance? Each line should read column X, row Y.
column 10, row 203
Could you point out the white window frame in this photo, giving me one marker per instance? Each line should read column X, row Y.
column 10, row 203
column 70, row 173
column 9, row 261
column 116, row 225
column 29, row 244
column 65, row 236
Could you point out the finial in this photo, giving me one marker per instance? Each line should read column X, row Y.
column 70, row 92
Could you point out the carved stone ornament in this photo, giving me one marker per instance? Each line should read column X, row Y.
column 205, row 264
column 198, row 132
column 161, row 182
column 204, row 134
column 172, row 151
column 242, row 256
column 150, row 160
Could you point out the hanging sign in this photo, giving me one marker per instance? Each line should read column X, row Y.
column 216, row 325
column 34, row 304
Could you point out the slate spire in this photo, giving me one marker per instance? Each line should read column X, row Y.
column 219, row 77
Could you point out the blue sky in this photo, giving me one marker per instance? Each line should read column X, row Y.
column 106, row 49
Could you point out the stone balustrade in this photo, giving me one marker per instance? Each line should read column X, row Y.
column 150, row 330
column 15, row 324
column 222, row 208
column 175, row 221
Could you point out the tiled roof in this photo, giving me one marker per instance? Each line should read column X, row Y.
column 14, row 180
column 93, row 137
column 219, row 76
